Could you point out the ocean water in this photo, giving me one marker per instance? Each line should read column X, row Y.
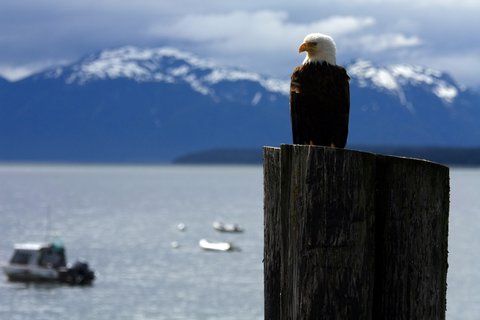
column 123, row 220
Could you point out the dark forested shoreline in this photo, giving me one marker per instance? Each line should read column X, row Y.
column 444, row 155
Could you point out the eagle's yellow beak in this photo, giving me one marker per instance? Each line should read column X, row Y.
column 306, row 46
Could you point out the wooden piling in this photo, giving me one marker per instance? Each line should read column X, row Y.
column 353, row 235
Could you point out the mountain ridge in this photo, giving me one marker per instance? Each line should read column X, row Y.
column 155, row 104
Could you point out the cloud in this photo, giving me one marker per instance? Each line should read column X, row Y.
column 341, row 25
column 448, row 3
column 454, row 4
column 244, row 34
column 382, row 42
column 250, row 38
column 243, row 31
column 272, row 31
column 464, row 66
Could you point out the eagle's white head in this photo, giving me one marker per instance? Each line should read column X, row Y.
column 319, row 47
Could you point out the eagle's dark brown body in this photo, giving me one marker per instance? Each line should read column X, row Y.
column 320, row 105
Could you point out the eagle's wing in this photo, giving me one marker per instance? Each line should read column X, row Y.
column 342, row 133
column 295, row 111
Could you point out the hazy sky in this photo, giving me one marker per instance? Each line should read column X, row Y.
column 257, row 35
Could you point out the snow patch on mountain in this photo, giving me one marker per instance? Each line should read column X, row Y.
column 256, row 99
column 366, row 74
column 396, row 77
column 446, row 92
column 162, row 65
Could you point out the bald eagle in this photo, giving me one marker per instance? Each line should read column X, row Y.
column 319, row 95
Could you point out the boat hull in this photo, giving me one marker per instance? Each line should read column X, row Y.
column 77, row 275
column 215, row 246
column 28, row 274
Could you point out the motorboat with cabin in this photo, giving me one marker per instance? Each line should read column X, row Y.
column 45, row 262
column 227, row 227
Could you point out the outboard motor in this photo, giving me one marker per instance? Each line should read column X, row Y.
column 78, row 274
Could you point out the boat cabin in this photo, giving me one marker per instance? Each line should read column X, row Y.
column 47, row 255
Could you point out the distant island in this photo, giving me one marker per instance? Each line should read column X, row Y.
column 222, row 156
column 253, row 156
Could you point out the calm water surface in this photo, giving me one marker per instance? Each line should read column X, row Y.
column 122, row 220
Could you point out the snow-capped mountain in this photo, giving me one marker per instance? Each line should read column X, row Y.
column 412, row 105
column 132, row 104
column 162, row 65
column 395, row 78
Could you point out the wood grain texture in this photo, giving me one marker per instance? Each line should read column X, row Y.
column 353, row 235
column 271, row 259
column 413, row 199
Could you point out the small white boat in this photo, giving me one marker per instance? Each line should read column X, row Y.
column 215, row 246
column 45, row 262
column 226, row 227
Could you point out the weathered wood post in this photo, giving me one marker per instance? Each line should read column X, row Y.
column 353, row 235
